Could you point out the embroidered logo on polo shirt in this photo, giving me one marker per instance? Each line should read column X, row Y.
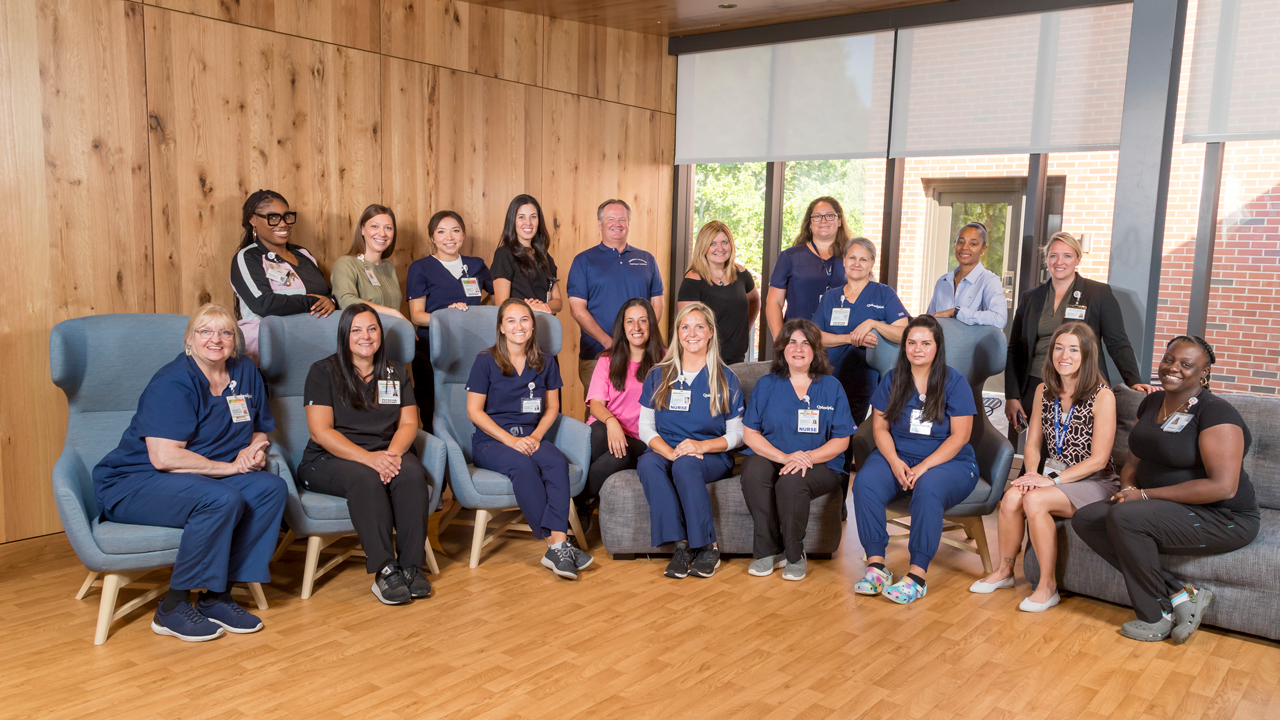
column 637, row 261
column 824, row 407
column 878, row 307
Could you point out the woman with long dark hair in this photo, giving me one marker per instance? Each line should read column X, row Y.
column 522, row 265
column 810, row 267
column 365, row 274
column 923, row 416
column 613, row 398
column 513, row 398
column 269, row 274
column 363, row 421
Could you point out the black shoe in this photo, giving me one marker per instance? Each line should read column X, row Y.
column 561, row 561
column 389, row 586
column 185, row 623
column 419, row 585
column 705, row 564
column 680, row 562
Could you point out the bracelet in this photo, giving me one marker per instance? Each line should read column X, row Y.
column 1128, row 488
column 1144, row 494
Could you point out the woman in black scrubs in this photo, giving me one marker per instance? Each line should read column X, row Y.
column 522, row 266
column 717, row 280
column 1183, row 491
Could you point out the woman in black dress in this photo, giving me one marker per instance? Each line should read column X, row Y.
column 716, row 279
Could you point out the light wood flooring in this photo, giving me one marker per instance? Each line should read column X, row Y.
column 510, row 640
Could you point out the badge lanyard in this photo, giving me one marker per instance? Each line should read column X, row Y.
column 840, row 315
column 807, row 421
column 681, row 399
column 1179, row 420
column 1060, row 429
column 284, row 277
column 825, row 266
column 470, row 285
column 389, row 390
column 238, row 405
column 368, row 271
column 1076, row 311
column 531, row 404
column 918, row 424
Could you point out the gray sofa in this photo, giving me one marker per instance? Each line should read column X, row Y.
column 624, row 512
column 1246, row 592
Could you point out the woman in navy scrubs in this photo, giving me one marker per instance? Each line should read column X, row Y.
column 923, row 416
column 447, row 279
column 513, row 398
column 363, row 421
column 193, row 458
column 848, row 315
column 797, row 429
column 691, row 419
column 810, row 267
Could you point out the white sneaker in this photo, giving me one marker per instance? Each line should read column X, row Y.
column 1027, row 606
column 986, row 587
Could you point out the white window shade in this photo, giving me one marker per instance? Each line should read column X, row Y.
column 1049, row 82
column 1234, row 91
column 815, row 99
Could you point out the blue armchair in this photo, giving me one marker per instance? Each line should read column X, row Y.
column 977, row 351
column 103, row 363
column 287, row 348
column 457, row 336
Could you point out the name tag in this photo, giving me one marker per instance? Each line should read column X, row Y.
column 1054, row 466
column 918, row 424
column 1076, row 312
column 279, row 276
column 471, row 287
column 531, row 405
column 239, row 408
column 680, row 400
column 1176, row 422
column 373, row 277
column 840, row 317
column 808, row 421
column 388, row 392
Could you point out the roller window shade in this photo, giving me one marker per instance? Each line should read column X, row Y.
column 1234, row 89
column 1047, row 82
column 815, row 99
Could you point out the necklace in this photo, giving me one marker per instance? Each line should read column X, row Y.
column 718, row 280
column 1184, row 406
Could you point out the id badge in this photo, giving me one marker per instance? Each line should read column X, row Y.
column 918, row 424
column 278, row 276
column 680, row 400
column 839, row 317
column 373, row 277
column 1176, row 422
column 1054, row 466
column 531, row 405
column 808, row 422
column 388, row 392
column 239, row 408
column 471, row 286
column 1076, row 312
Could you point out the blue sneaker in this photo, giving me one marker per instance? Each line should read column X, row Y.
column 228, row 614
column 185, row 623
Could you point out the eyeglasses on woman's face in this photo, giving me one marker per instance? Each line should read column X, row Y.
column 825, row 218
column 206, row 333
column 273, row 219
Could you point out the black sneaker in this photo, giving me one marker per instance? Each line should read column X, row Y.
column 561, row 561
column 419, row 585
column 390, row 588
column 228, row 614
column 680, row 562
column 705, row 564
column 185, row 623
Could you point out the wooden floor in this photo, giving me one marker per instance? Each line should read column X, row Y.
column 510, row 640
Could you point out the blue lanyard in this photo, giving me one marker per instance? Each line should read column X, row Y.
column 1059, row 430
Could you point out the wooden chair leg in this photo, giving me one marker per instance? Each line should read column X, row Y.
column 477, row 536
column 87, row 586
column 974, row 528
column 111, row 584
column 259, row 597
column 289, row 537
column 432, row 565
column 576, row 526
column 314, row 544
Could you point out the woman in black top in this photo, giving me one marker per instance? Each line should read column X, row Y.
column 363, row 420
column 716, row 279
column 522, row 266
column 1183, row 491
column 1066, row 296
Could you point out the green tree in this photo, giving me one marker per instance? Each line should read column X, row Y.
column 733, row 193
column 844, row 180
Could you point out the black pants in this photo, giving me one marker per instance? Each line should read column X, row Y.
column 604, row 463
column 376, row 508
column 1131, row 535
column 779, row 504
column 424, row 386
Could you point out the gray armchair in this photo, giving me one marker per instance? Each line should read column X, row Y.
column 103, row 363
column 287, row 348
column 457, row 336
column 978, row 352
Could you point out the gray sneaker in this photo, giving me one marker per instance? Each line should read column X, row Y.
column 580, row 557
column 764, row 567
column 1147, row 632
column 1187, row 616
column 561, row 562
column 795, row 570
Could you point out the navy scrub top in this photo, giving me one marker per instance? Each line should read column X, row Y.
column 607, row 279
column 177, row 405
column 918, row 447
column 805, row 277
column 696, row 423
column 505, row 395
column 774, row 412
column 429, row 278
column 876, row 302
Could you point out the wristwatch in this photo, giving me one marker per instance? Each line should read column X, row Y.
column 1053, row 475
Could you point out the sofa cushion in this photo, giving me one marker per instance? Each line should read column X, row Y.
column 125, row 539
column 319, row 506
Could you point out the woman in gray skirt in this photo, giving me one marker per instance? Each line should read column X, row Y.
column 1073, row 433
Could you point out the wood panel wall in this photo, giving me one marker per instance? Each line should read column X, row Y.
column 131, row 132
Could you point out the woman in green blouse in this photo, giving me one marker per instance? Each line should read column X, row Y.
column 365, row 274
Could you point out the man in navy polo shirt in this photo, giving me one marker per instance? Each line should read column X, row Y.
column 605, row 277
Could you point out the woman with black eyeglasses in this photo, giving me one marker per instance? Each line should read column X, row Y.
column 810, row 267
column 270, row 275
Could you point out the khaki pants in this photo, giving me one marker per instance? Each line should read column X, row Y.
column 585, row 369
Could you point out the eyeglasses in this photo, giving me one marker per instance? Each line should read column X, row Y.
column 224, row 334
column 273, row 219
column 829, row 217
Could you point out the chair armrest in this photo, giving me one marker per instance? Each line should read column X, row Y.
column 277, row 464
column 70, row 476
column 863, row 442
column 995, row 458
column 434, row 455
column 456, row 466
column 573, row 438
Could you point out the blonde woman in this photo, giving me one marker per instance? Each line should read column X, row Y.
column 691, row 419
column 717, row 280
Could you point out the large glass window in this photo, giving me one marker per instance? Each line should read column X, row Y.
column 844, row 180
column 733, row 193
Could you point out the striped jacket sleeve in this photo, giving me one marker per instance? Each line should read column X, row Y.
column 249, row 280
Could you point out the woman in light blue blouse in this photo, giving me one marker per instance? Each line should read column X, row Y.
column 970, row 293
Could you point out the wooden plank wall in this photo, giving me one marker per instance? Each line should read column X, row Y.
column 131, row 132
